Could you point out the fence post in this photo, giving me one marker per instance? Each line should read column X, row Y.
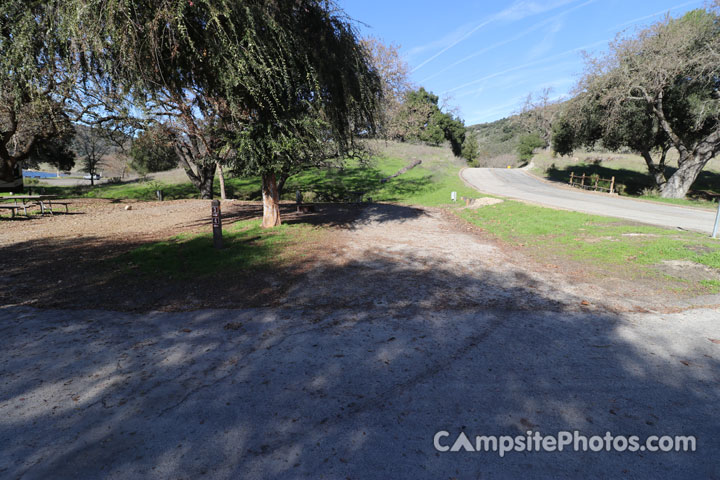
column 612, row 184
column 582, row 182
column 597, row 179
column 217, row 224
column 571, row 178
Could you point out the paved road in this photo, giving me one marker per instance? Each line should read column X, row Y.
column 523, row 186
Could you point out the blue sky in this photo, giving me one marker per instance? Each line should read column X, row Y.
column 486, row 56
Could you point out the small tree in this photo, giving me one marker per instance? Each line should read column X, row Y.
column 92, row 145
column 213, row 69
column 527, row 146
column 538, row 115
column 153, row 151
column 470, row 148
column 420, row 118
column 395, row 84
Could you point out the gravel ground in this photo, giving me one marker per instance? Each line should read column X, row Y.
column 409, row 323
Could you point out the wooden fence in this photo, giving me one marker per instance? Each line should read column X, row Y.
column 593, row 182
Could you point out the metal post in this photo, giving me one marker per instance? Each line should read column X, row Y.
column 217, row 225
column 717, row 221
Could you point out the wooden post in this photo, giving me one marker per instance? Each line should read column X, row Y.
column 217, row 224
column 597, row 179
column 582, row 182
column 612, row 184
column 571, row 178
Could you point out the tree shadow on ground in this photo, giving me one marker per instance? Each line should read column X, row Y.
column 706, row 187
column 351, row 377
column 94, row 272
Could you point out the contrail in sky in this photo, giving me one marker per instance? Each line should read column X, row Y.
column 504, row 42
column 525, row 65
column 647, row 17
column 492, row 19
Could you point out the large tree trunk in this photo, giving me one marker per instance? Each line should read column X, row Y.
column 221, row 177
column 689, row 167
column 7, row 170
column 281, row 183
column 271, row 201
column 202, row 176
column 657, row 170
column 202, row 179
column 206, row 187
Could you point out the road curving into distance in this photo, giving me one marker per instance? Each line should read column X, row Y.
column 520, row 185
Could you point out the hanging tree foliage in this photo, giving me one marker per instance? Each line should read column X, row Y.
column 37, row 78
column 217, row 72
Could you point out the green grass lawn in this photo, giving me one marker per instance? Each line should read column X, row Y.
column 430, row 183
column 246, row 246
column 594, row 240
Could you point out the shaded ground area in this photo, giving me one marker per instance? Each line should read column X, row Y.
column 357, row 392
column 80, row 261
column 76, row 260
column 398, row 323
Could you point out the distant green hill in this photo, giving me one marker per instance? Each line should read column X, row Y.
column 497, row 142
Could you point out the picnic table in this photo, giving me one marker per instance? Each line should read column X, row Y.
column 25, row 201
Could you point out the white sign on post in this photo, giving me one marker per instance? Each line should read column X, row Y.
column 453, row 196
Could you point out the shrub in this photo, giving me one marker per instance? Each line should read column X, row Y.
column 528, row 144
column 650, row 192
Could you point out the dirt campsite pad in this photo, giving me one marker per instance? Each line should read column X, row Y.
column 398, row 323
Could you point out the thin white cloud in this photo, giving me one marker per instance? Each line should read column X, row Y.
column 656, row 14
column 518, row 11
column 524, row 77
column 441, row 42
column 525, row 65
column 487, row 49
column 546, row 44
column 523, row 9
column 494, row 110
column 451, row 45
column 520, row 35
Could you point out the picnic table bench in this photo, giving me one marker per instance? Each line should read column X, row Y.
column 13, row 209
column 45, row 202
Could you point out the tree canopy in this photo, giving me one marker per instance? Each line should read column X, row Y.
column 654, row 91
column 218, row 73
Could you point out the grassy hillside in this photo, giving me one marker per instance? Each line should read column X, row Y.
column 430, row 183
column 497, row 142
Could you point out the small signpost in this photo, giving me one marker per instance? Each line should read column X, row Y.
column 217, row 224
column 453, row 196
